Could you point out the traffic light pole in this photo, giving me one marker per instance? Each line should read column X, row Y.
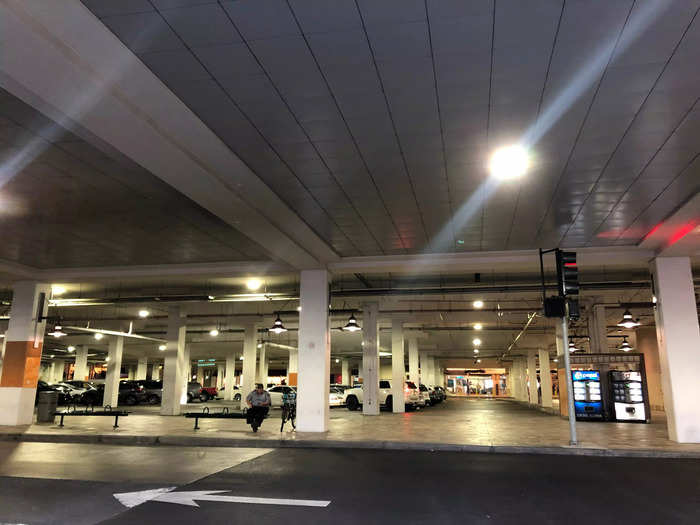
column 573, row 440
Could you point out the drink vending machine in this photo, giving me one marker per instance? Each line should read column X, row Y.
column 629, row 402
column 588, row 402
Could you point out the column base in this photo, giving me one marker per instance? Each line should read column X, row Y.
column 17, row 406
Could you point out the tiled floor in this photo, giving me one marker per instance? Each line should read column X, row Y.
column 458, row 421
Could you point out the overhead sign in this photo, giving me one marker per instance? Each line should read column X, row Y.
column 165, row 495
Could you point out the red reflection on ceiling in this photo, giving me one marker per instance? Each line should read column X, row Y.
column 653, row 230
column 682, row 232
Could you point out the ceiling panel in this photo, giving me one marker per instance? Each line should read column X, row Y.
column 374, row 121
column 71, row 205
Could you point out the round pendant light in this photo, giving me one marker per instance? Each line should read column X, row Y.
column 277, row 326
column 628, row 321
column 352, row 325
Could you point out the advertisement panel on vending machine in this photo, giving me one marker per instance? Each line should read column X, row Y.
column 588, row 402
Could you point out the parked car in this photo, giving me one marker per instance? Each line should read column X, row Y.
column 194, row 391
column 425, row 395
column 130, row 393
column 442, row 393
column 412, row 398
column 236, row 389
column 74, row 392
column 154, row 391
column 63, row 395
column 276, row 393
column 336, row 397
column 207, row 392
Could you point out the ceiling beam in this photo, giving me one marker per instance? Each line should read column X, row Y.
column 58, row 55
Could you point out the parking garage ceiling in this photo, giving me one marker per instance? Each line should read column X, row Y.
column 373, row 122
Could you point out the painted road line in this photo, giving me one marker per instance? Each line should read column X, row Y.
column 166, row 495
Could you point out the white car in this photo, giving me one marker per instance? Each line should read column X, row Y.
column 336, row 397
column 412, row 398
column 276, row 393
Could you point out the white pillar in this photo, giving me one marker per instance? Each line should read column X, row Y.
column 23, row 344
column 345, row 372
column 293, row 367
column 114, row 367
column 141, row 368
column 230, row 376
column 314, row 353
column 80, row 372
column 678, row 336
column 249, row 361
column 262, row 370
column 545, row 378
column 3, row 341
column 174, row 363
column 413, row 372
column 157, row 372
column 520, row 387
column 370, row 360
column 58, row 368
column 220, row 370
column 597, row 329
column 532, row 376
column 398, row 367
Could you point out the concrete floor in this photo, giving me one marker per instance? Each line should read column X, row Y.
column 460, row 421
column 368, row 487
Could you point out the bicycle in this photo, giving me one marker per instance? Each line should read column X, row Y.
column 289, row 410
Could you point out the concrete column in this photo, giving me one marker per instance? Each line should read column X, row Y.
column 413, row 367
column 157, row 373
column 141, row 368
column 230, row 377
column 174, row 363
column 398, row 367
column 345, row 372
column 262, row 370
column 249, row 361
column 646, row 344
column 370, row 360
column 678, row 337
column 520, row 365
column 597, row 329
column 130, row 372
column 114, row 367
column 24, row 340
column 314, row 353
column 545, row 378
column 220, row 370
column 2, row 351
column 200, row 375
column 59, row 368
column 80, row 372
column 293, row 367
column 532, row 376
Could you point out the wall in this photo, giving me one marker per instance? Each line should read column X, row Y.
column 647, row 345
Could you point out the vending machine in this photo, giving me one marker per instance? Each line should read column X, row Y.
column 588, row 402
column 628, row 399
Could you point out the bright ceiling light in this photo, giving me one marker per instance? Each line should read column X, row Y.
column 476, row 350
column 58, row 289
column 106, row 358
column 259, row 345
column 477, row 342
column 478, row 360
column 98, row 335
column 253, row 284
column 478, row 326
column 241, row 358
column 57, row 331
column 214, row 332
column 162, row 347
column 478, row 303
column 509, row 162
column 71, row 349
column 572, row 347
column 628, row 321
column 337, row 360
column 352, row 325
column 144, row 313
column 298, row 308
column 625, row 346
column 277, row 326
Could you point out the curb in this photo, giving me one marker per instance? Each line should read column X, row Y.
column 196, row 441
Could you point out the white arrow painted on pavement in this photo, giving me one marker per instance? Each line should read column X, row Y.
column 131, row 499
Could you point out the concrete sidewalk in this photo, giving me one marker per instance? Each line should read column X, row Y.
column 483, row 425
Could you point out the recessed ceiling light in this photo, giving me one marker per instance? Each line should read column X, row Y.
column 253, row 284
column 107, row 358
column 509, row 162
column 210, row 297
column 476, row 341
column 213, row 332
column 298, row 308
column 71, row 348
column 241, row 358
column 58, row 289
column 478, row 303
column 337, row 360
column 162, row 347
column 144, row 313
column 99, row 335
column 478, row 326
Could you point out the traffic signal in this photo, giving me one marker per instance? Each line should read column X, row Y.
column 567, row 273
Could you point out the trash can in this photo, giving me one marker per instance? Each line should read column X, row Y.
column 46, row 407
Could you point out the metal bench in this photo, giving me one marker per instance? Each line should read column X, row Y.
column 206, row 414
column 107, row 411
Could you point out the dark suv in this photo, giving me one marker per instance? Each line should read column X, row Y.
column 154, row 391
column 130, row 393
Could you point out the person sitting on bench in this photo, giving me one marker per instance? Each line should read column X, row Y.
column 258, row 405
